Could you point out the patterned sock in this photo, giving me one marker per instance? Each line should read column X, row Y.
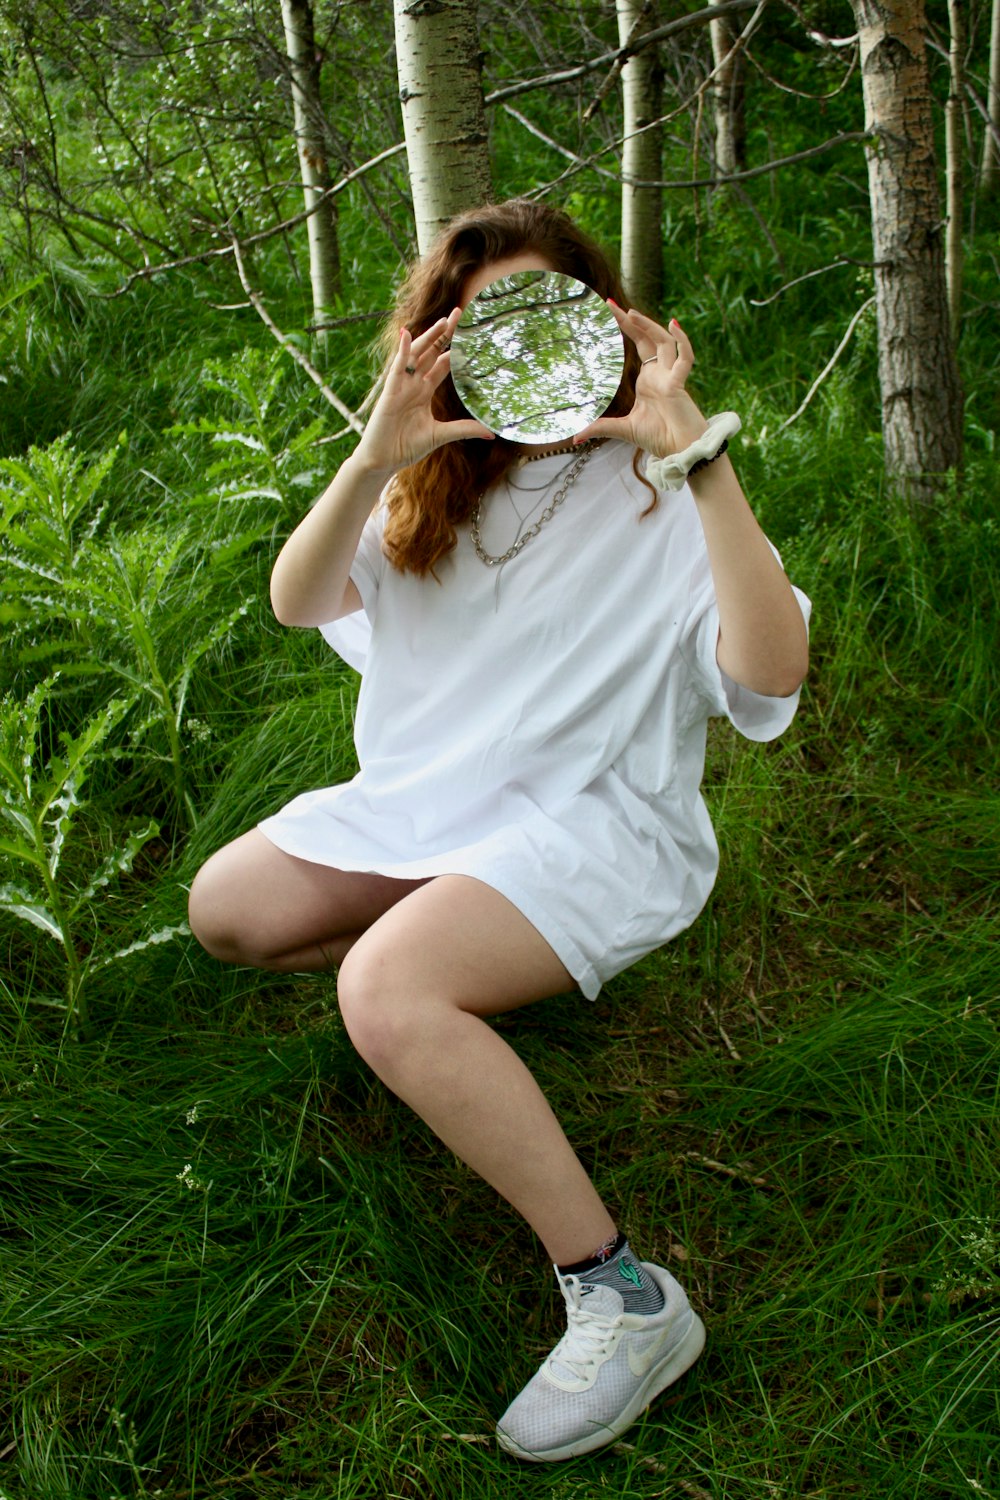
column 614, row 1265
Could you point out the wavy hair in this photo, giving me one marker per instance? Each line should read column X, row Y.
column 428, row 500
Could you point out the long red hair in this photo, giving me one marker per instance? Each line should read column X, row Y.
column 428, row 500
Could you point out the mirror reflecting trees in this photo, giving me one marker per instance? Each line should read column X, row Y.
column 537, row 356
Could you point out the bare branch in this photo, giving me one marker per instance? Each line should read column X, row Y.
column 813, row 32
column 351, row 418
column 738, row 1174
column 615, row 71
column 829, row 365
column 585, row 163
column 333, row 437
column 991, row 126
column 842, row 260
column 621, row 54
column 581, row 163
column 264, row 234
column 767, row 166
column 786, row 88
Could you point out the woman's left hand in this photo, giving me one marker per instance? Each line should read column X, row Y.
column 664, row 419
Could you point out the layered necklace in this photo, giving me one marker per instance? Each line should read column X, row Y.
column 575, row 470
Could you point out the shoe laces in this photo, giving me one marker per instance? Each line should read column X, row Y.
column 588, row 1337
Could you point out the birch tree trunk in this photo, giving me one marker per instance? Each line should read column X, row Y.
column 728, row 97
column 918, row 374
column 324, row 249
column 991, row 155
column 439, row 64
column 642, row 154
column 953, row 144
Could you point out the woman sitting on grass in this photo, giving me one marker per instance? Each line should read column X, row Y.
column 527, row 817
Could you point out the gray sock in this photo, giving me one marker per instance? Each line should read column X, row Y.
column 614, row 1265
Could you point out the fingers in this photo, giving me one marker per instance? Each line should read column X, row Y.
column 420, row 365
column 685, row 353
column 463, row 427
column 668, row 349
column 422, row 356
column 668, row 346
column 608, row 427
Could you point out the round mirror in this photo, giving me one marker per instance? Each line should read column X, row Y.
column 537, row 356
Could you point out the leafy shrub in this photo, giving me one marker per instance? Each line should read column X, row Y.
column 41, row 800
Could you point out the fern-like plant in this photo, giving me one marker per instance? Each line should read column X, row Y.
column 41, row 803
column 263, row 449
column 136, row 613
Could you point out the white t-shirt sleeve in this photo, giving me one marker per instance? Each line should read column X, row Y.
column 350, row 636
column 755, row 715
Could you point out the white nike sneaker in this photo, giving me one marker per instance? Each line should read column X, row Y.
column 605, row 1370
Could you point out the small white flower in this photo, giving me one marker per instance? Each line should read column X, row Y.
column 27, row 1083
column 191, row 1182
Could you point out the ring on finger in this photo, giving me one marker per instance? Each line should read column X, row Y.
column 651, row 360
column 411, row 369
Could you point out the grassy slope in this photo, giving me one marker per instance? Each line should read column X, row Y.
column 232, row 1266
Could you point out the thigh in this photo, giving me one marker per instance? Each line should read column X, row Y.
column 454, row 941
column 252, row 898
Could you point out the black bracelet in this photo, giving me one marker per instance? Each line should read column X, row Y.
column 703, row 463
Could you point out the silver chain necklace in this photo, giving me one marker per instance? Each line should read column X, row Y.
column 546, row 515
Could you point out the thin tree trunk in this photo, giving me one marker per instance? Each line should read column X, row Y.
column 953, row 136
column 729, row 98
column 918, row 374
column 642, row 155
column 439, row 64
column 991, row 155
column 324, row 249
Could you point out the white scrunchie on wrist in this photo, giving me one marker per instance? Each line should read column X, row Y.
column 670, row 473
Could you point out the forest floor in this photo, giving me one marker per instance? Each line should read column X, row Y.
column 234, row 1266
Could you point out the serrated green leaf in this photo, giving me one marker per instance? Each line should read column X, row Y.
column 21, row 903
column 163, row 935
column 39, row 650
column 20, row 820
column 118, row 862
column 10, row 614
column 245, row 438
column 218, row 633
column 26, row 853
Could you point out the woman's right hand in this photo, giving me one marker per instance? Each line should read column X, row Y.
column 310, row 583
column 402, row 427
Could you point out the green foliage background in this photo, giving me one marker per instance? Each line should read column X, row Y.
column 230, row 1264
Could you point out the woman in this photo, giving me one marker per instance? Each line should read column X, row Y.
column 531, row 734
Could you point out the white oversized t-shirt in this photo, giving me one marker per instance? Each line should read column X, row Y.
column 541, row 726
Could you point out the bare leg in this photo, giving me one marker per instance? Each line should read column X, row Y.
column 414, row 991
column 422, row 964
column 252, row 903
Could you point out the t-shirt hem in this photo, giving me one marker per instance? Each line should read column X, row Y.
column 579, row 967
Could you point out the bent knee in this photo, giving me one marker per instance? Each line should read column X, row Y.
column 204, row 913
column 361, row 1001
column 217, row 915
column 382, row 1015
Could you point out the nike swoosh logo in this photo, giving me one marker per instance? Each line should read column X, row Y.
column 640, row 1362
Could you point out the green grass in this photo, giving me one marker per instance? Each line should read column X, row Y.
column 234, row 1266
column 230, row 1264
